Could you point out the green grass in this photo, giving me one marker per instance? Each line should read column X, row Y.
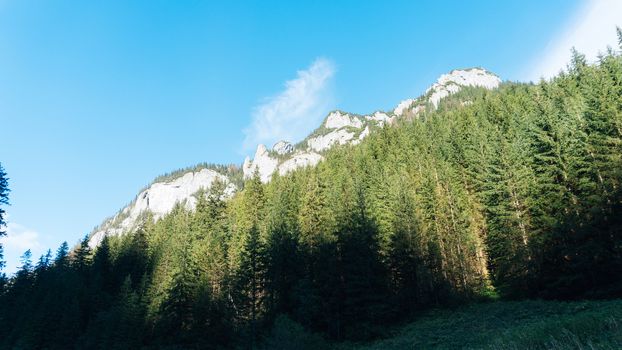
column 511, row 325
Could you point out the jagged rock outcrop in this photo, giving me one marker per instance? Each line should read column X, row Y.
column 264, row 163
column 342, row 128
column 283, row 147
column 446, row 85
column 159, row 199
column 381, row 118
column 403, row 106
column 453, row 82
column 324, row 142
column 299, row 160
column 337, row 120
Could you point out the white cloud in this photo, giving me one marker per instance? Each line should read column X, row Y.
column 19, row 239
column 295, row 111
column 590, row 32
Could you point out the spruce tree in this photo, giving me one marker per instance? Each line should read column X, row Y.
column 26, row 260
column 249, row 281
column 4, row 198
column 315, row 217
column 82, row 256
column 62, row 255
column 44, row 262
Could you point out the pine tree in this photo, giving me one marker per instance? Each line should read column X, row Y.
column 404, row 250
column 26, row 260
column 249, row 281
column 507, row 198
column 177, row 311
column 319, row 289
column 283, row 264
column 62, row 255
column 127, row 329
column 211, row 226
column 102, row 272
column 216, row 205
column 254, row 202
column 4, row 198
column 315, row 217
column 82, row 256
column 44, row 262
column 363, row 284
column 2, row 262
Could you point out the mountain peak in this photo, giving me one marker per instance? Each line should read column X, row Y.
column 453, row 81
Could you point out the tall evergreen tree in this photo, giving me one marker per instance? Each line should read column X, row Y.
column 4, row 198
column 62, row 255
column 249, row 281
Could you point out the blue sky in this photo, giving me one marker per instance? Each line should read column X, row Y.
column 99, row 97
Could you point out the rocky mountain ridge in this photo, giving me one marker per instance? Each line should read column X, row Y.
column 341, row 128
column 159, row 199
column 338, row 128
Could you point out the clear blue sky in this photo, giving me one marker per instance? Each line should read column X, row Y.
column 99, row 97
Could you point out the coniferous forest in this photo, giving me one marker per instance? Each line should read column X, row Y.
column 515, row 195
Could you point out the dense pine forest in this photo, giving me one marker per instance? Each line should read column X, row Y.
column 512, row 193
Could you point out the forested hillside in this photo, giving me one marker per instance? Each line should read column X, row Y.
column 511, row 193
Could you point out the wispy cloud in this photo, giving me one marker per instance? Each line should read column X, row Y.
column 19, row 239
column 590, row 32
column 296, row 110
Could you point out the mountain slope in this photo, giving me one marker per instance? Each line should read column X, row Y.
column 338, row 128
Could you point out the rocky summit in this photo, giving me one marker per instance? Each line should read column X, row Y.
column 341, row 128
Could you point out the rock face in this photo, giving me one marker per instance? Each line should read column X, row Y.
column 381, row 118
column 263, row 162
column 159, row 199
column 324, row 142
column 283, row 147
column 336, row 120
column 453, row 82
column 344, row 129
column 266, row 165
column 403, row 106
column 339, row 128
column 299, row 160
column 446, row 85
